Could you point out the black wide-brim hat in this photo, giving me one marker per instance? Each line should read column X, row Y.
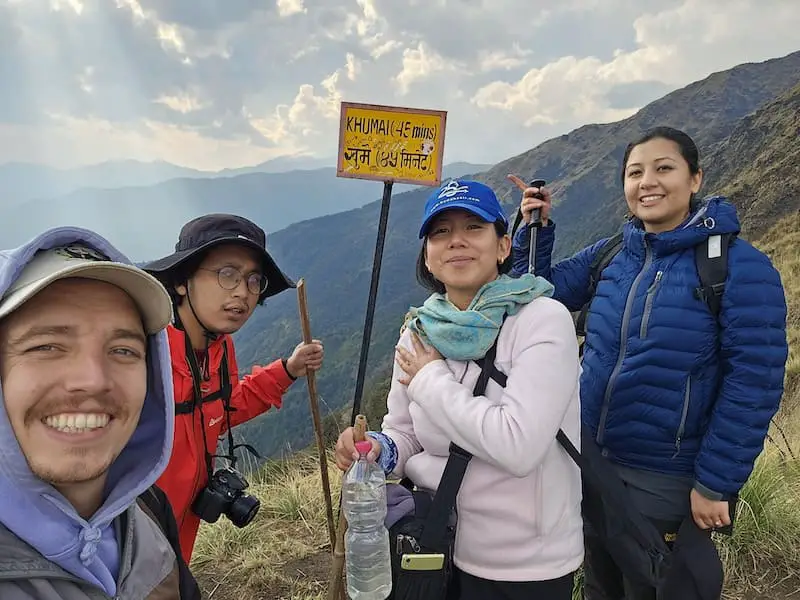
column 208, row 231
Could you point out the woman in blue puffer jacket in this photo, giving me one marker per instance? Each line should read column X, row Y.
column 678, row 401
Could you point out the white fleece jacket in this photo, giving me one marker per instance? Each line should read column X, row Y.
column 519, row 513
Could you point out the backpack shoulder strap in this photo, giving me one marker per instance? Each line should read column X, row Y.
column 489, row 369
column 491, row 372
column 601, row 260
column 155, row 504
column 151, row 505
column 517, row 221
column 711, row 259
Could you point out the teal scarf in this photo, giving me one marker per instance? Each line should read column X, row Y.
column 468, row 334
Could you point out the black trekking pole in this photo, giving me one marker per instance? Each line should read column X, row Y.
column 535, row 224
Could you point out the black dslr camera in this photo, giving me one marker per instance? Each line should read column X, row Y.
column 224, row 494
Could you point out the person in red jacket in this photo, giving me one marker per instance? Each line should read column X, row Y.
column 219, row 272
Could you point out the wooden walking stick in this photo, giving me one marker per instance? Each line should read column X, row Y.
column 335, row 586
column 315, row 416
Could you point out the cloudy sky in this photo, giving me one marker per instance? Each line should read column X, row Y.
column 224, row 83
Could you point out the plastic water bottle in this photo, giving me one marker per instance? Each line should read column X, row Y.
column 367, row 560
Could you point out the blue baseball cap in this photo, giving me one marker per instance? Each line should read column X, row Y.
column 477, row 198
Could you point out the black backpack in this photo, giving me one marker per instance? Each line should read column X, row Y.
column 711, row 259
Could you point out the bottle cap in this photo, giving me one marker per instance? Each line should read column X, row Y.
column 363, row 447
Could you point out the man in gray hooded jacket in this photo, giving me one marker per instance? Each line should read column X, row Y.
column 86, row 426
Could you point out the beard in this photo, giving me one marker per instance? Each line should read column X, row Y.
column 79, row 465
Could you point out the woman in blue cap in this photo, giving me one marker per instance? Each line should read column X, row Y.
column 519, row 531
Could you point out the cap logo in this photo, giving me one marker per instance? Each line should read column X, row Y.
column 453, row 188
column 78, row 252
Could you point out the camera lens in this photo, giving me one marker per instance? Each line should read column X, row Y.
column 243, row 510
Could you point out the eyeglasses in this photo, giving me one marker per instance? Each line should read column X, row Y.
column 229, row 278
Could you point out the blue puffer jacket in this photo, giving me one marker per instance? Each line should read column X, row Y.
column 662, row 388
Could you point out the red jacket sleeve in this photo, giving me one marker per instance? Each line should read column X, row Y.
column 255, row 393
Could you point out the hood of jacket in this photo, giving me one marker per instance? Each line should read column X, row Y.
column 33, row 509
column 714, row 215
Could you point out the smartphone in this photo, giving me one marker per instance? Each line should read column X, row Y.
column 422, row 562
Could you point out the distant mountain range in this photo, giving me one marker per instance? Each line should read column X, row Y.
column 744, row 119
column 144, row 219
column 25, row 181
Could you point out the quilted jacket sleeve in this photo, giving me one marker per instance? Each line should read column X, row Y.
column 257, row 392
column 570, row 277
column 754, row 350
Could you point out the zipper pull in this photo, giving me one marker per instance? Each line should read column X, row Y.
column 654, row 285
column 677, row 447
column 411, row 542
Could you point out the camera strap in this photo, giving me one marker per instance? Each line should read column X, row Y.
column 197, row 401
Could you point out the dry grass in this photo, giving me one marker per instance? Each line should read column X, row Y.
column 781, row 244
column 285, row 554
column 764, row 554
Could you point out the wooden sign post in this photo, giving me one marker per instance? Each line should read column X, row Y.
column 389, row 144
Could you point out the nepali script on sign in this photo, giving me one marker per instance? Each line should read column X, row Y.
column 386, row 143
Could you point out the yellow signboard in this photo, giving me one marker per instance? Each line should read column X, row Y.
column 388, row 143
